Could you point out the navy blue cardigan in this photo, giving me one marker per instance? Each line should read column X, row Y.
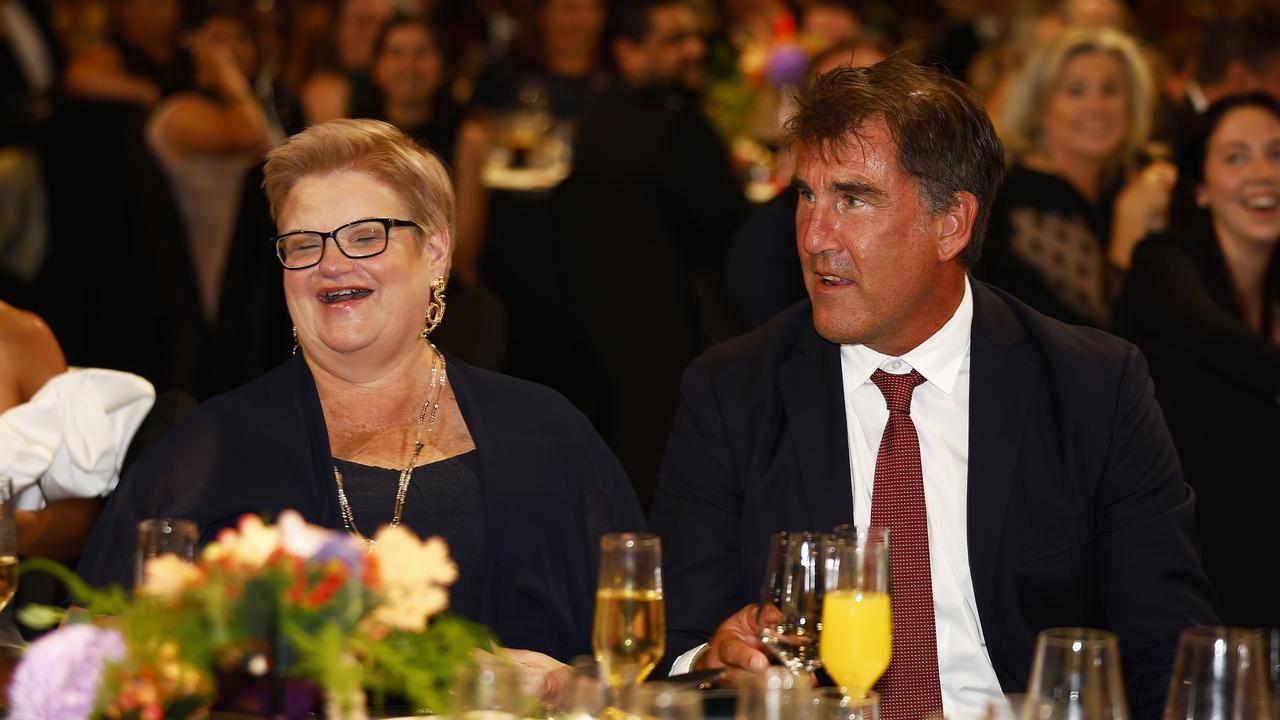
column 549, row 484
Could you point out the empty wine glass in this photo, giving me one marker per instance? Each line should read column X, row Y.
column 1220, row 674
column 1076, row 675
column 790, row 610
column 775, row 694
column 665, row 701
column 489, row 688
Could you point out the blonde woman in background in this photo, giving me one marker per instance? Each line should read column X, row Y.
column 1071, row 208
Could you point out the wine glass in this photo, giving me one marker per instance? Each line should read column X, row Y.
column 790, row 609
column 1076, row 672
column 8, row 543
column 163, row 536
column 665, row 701
column 775, row 694
column 856, row 616
column 629, row 635
column 489, row 688
column 1220, row 674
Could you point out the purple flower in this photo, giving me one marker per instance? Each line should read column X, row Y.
column 785, row 66
column 59, row 675
column 345, row 548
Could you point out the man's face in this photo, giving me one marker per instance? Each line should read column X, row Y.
column 870, row 248
column 672, row 52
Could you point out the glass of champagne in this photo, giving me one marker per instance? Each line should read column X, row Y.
column 856, row 616
column 8, row 544
column 790, row 609
column 1076, row 673
column 629, row 635
column 1220, row 674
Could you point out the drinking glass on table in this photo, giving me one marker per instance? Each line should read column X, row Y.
column 775, row 694
column 1076, row 674
column 489, row 688
column 164, row 536
column 8, row 543
column 629, row 635
column 1220, row 673
column 790, row 609
column 1272, row 637
column 665, row 701
column 857, row 637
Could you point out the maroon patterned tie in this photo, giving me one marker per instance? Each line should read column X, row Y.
column 910, row 688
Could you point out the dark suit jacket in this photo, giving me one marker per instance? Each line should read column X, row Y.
column 1077, row 512
column 550, row 488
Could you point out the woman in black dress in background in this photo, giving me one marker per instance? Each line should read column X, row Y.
column 1203, row 302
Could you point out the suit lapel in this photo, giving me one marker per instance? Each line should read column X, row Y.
column 1002, row 373
column 813, row 395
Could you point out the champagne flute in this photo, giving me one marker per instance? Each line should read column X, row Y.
column 1076, row 672
column 856, row 617
column 1220, row 674
column 629, row 635
column 790, row 609
column 833, row 704
column 8, row 543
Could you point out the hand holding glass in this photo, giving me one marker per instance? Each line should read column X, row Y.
column 856, row 617
column 790, row 610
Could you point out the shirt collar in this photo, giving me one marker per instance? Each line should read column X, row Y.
column 938, row 358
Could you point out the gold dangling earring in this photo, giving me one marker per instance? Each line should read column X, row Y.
column 435, row 307
column 295, row 340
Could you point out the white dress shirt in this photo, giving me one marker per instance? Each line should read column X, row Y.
column 940, row 411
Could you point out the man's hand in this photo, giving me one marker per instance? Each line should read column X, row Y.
column 736, row 644
column 545, row 677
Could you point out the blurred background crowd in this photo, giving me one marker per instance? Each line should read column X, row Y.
column 623, row 198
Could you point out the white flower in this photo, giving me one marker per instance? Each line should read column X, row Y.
column 298, row 538
column 250, row 547
column 413, row 578
column 166, row 576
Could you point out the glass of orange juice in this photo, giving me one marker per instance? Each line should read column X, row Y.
column 857, row 635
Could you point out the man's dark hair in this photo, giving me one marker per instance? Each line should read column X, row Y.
column 1253, row 42
column 633, row 19
column 945, row 140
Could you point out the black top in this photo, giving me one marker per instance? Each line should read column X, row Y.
column 443, row 499
column 438, row 134
column 1218, row 382
column 1047, row 245
column 549, row 489
column 498, row 87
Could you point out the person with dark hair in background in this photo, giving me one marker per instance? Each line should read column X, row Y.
column 1202, row 300
column 1236, row 57
column 138, row 65
column 555, row 67
column 1022, row 466
column 655, row 263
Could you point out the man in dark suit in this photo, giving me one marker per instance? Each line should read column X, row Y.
column 654, row 259
column 1026, row 476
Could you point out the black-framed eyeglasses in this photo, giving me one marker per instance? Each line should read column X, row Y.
column 359, row 239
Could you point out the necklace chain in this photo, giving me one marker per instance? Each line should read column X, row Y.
column 432, row 404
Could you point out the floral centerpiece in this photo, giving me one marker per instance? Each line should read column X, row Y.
column 293, row 608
